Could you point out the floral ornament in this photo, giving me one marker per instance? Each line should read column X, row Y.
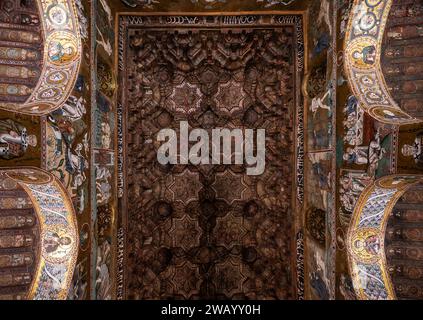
column 141, row 3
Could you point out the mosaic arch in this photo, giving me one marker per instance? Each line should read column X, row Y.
column 366, row 236
column 207, row 4
column 57, row 230
column 60, row 55
column 363, row 47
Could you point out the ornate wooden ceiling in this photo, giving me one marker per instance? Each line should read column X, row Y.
column 210, row 232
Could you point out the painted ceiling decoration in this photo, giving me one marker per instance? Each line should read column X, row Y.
column 40, row 62
column 366, row 236
column 363, row 48
column 57, row 229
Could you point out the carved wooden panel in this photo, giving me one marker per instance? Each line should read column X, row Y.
column 210, row 231
column 402, row 57
column 404, row 245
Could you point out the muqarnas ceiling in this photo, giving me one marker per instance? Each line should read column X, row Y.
column 210, row 231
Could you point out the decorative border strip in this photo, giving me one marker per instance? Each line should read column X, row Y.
column 170, row 21
column 366, row 236
column 57, row 220
column 363, row 49
column 62, row 57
